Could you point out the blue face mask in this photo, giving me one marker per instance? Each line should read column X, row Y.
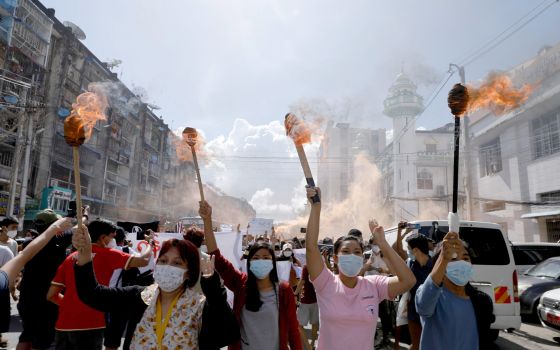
column 459, row 272
column 410, row 255
column 350, row 264
column 431, row 253
column 261, row 268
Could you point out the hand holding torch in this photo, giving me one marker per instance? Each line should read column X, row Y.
column 190, row 136
column 86, row 111
column 300, row 134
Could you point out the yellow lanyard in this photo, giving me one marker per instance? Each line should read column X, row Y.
column 162, row 325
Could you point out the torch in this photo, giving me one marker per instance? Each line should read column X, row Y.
column 300, row 134
column 88, row 109
column 190, row 136
column 457, row 100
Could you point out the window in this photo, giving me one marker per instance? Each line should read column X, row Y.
column 486, row 246
column 490, row 158
column 431, row 148
column 553, row 230
column 549, row 196
column 424, row 180
column 545, row 137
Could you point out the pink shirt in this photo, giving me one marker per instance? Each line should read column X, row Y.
column 348, row 316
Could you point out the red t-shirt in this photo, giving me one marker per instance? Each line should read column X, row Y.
column 309, row 296
column 72, row 313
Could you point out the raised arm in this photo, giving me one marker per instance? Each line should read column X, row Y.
column 398, row 246
column 233, row 278
column 14, row 266
column 93, row 294
column 404, row 279
column 315, row 263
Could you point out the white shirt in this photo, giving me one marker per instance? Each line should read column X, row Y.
column 5, row 255
column 12, row 244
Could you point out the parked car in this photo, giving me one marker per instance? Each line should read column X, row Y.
column 527, row 255
column 549, row 309
column 494, row 267
column 537, row 280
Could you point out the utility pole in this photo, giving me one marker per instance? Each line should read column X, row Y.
column 466, row 157
column 26, row 166
column 17, row 151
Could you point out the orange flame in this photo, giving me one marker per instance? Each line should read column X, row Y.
column 498, row 95
column 88, row 109
column 299, row 130
column 183, row 150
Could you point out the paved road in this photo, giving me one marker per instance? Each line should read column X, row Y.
column 531, row 336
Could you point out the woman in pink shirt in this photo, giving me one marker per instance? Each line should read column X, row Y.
column 349, row 303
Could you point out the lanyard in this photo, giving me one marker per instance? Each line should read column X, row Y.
column 162, row 325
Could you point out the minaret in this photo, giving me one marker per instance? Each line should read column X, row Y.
column 403, row 104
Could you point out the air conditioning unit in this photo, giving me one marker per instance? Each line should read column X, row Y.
column 440, row 191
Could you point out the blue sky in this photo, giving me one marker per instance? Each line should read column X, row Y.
column 236, row 66
column 213, row 61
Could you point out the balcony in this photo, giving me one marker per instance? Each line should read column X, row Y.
column 116, row 179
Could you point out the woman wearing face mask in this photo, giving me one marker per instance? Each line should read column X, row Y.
column 349, row 303
column 265, row 308
column 446, row 294
column 287, row 254
column 168, row 314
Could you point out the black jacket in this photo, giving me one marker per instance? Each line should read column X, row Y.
column 484, row 313
column 219, row 325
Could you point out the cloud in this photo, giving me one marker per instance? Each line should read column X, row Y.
column 259, row 163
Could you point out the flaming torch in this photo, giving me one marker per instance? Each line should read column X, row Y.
column 190, row 137
column 86, row 111
column 300, row 133
column 496, row 94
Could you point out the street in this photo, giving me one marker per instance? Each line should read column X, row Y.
column 531, row 336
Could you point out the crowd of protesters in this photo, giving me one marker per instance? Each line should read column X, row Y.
column 85, row 288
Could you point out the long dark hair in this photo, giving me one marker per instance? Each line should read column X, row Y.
column 252, row 296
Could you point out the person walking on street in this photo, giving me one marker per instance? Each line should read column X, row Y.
column 348, row 303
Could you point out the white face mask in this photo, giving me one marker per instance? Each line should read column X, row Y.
column 204, row 248
column 168, row 277
column 112, row 243
column 12, row 233
column 287, row 253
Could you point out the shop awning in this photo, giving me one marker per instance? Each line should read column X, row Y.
column 541, row 214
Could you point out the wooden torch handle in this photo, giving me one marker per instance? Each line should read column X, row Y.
column 195, row 161
column 306, row 170
column 77, row 185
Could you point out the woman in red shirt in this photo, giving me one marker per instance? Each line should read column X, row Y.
column 264, row 307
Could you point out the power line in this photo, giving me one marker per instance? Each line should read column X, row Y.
column 477, row 51
column 485, row 51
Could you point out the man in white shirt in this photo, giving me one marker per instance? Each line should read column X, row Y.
column 8, row 231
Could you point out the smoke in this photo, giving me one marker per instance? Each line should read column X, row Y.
column 364, row 202
column 121, row 99
column 423, row 74
column 431, row 210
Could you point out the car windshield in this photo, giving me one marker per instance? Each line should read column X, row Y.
column 548, row 269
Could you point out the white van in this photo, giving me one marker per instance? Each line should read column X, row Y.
column 494, row 266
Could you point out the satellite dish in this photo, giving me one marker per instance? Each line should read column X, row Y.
column 77, row 31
